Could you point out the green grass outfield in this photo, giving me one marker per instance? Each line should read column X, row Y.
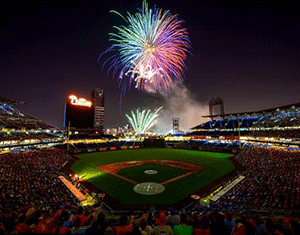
column 217, row 165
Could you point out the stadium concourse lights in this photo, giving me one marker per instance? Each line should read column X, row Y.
column 176, row 138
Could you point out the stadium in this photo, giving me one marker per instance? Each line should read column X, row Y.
column 112, row 118
column 245, row 164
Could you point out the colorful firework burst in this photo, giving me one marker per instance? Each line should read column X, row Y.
column 151, row 50
column 142, row 121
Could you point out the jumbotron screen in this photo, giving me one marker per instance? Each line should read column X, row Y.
column 79, row 113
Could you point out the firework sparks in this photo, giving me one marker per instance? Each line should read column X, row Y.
column 151, row 50
column 143, row 74
column 142, row 121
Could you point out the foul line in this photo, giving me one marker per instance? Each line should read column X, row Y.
column 177, row 178
column 124, row 178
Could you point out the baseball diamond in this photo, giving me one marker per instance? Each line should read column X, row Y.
column 120, row 174
column 188, row 168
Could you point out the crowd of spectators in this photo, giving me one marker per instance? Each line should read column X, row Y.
column 34, row 200
column 21, row 136
column 272, row 180
column 280, row 120
column 287, row 134
column 93, row 220
column 12, row 118
column 265, row 126
column 9, row 111
column 19, row 123
column 31, row 177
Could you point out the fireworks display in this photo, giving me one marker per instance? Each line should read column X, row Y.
column 142, row 121
column 151, row 50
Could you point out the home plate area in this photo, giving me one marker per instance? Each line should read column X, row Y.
column 150, row 188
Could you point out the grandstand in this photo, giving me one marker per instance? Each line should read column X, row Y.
column 278, row 125
column 98, row 144
column 19, row 130
column 36, row 199
column 262, row 195
column 13, row 119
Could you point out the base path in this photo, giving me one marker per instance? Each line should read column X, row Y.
column 177, row 178
column 116, row 205
column 189, row 168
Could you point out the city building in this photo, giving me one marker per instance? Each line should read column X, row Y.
column 98, row 98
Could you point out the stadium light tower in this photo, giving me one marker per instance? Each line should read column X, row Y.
column 175, row 125
column 214, row 102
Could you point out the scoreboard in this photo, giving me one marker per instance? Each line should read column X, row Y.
column 79, row 113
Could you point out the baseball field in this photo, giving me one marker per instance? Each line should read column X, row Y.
column 174, row 174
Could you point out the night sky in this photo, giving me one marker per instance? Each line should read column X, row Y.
column 246, row 52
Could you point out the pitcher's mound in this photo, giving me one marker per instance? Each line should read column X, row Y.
column 150, row 172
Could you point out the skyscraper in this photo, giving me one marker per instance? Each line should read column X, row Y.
column 98, row 97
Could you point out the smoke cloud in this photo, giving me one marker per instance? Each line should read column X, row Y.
column 180, row 103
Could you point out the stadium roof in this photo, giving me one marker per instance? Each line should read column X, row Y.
column 9, row 101
column 289, row 107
